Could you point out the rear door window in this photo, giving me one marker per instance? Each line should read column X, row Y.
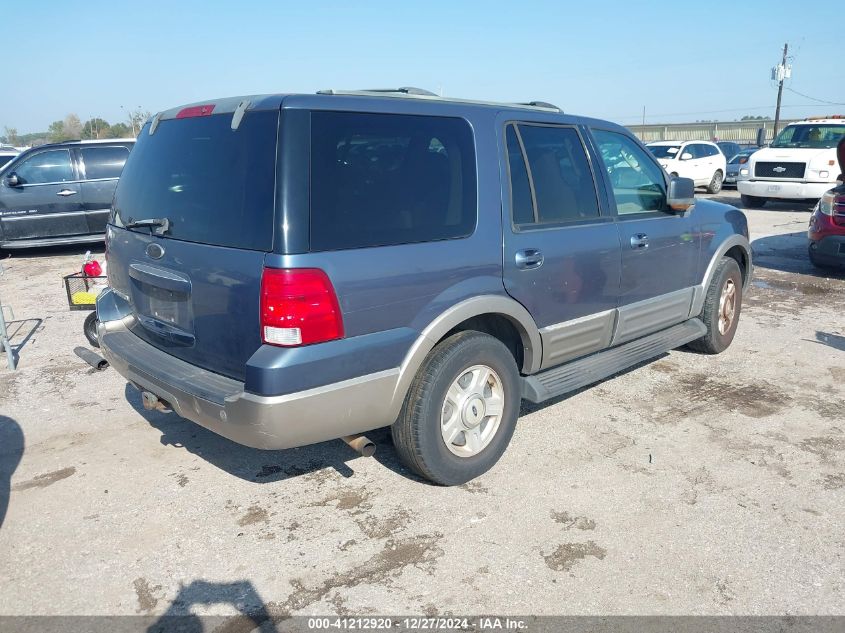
column 522, row 201
column 215, row 185
column 564, row 189
column 103, row 162
column 46, row 167
column 383, row 179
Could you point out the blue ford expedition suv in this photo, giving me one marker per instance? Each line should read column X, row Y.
column 288, row 269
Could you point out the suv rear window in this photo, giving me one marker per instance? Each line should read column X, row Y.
column 383, row 179
column 215, row 185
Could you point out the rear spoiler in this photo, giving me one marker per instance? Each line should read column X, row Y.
column 237, row 106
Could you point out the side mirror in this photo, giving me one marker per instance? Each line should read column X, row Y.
column 686, row 156
column 681, row 194
column 12, row 180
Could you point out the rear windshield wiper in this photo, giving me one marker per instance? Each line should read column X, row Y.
column 160, row 226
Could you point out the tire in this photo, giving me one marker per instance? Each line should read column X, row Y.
column 752, row 202
column 447, row 387
column 716, row 182
column 720, row 334
column 90, row 329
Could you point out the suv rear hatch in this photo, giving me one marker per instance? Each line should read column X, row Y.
column 192, row 220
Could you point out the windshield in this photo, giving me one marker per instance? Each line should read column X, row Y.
column 821, row 136
column 212, row 184
column 5, row 160
column 664, row 151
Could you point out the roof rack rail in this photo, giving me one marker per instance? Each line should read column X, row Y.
column 405, row 90
column 541, row 104
column 411, row 92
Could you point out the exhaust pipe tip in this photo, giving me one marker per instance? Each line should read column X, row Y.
column 95, row 360
column 360, row 444
column 153, row 403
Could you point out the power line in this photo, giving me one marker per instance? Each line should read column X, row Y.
column 801, row 94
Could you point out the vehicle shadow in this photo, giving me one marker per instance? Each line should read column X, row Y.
column 788, row 253
column 257, row 465
column 254, row 614
column 11, row 451
column 831, row 340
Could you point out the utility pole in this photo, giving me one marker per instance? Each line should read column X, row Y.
column 780, row 73
column 643, row 115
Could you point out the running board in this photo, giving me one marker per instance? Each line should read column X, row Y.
column 580, row 373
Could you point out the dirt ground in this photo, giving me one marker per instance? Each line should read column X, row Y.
column 689, row 485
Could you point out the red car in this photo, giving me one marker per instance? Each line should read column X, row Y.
column 827, row 224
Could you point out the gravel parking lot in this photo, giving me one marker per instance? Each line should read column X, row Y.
column 692, row 484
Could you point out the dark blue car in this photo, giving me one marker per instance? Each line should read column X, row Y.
column 289, row 269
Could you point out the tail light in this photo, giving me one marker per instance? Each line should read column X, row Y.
column 298, row 307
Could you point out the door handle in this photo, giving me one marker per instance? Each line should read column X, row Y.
column 639, row 240
column 67, row 192
column 528, row 259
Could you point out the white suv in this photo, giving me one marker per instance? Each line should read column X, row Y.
column 701, row 161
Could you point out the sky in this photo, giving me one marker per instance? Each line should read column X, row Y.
column 680, row 61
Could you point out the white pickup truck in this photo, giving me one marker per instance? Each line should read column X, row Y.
column 799, row 165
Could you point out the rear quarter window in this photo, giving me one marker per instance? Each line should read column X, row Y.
column 384, row 179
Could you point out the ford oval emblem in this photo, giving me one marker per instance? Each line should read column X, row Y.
column 155, row 251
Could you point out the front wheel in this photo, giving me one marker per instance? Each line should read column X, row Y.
column 715, row 185
column 722, row 305
column 752, row 202
column 461, row 410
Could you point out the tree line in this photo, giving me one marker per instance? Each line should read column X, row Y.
column 71, row 128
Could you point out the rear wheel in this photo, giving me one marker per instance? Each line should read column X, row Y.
column 752, row 202
column 461, row 410
column 715, row 185
column 722, row 305
column 90, row 329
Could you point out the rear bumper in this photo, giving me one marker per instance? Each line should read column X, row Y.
column 783, row 190
column 221, row 405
